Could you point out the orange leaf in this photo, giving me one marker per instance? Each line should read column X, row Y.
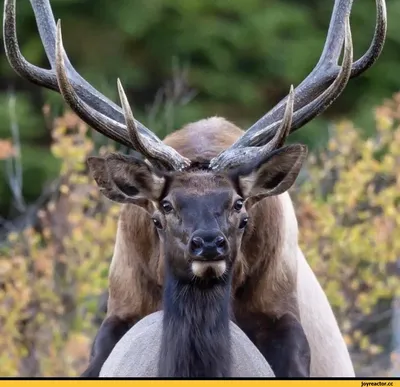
column 6, row 149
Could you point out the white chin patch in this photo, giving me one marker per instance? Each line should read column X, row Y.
column 213, row 269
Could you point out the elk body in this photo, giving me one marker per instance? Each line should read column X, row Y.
column 215, row 196
column 203, row 216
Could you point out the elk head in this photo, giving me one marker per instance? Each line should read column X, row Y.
column 199, row 215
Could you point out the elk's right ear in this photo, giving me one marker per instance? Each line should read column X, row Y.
column 273, row 174
column 126, row 179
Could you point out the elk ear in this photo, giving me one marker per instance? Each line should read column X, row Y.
column 273, row 175
column 126, row 179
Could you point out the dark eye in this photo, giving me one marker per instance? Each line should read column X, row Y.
column 238, row 204
column 157, row 223
column 167, row 206
column 243, row 222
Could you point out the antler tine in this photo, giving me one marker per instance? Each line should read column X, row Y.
column 235, row 157
column 323, row 101
column 239, row 156
column 167, row 156
column 133, row 134
column 283, row 131
column 47, row 78
column 156, row 155
column 326, row 71
column 377, row 43
column 81, row 108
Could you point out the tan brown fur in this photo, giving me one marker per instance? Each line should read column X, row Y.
column 136, row 269
column 204, row 139
column 133, row 286
column 271, row 277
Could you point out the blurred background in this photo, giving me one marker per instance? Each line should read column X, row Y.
column 180, row 61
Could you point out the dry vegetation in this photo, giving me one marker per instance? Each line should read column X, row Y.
column 350, row 229
column 51, row 275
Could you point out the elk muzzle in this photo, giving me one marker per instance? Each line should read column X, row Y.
column 208, row 251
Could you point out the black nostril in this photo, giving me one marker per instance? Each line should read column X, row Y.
column 197, row 243
column 208, row 245
column 220, row 242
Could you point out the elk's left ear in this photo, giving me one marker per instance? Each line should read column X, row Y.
column 126, row 179
column 273, row 175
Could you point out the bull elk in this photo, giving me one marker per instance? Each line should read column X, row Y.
column 215, row 196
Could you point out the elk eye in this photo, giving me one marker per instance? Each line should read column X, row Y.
column 157, row 223
column 167, row 206
column 243, row 222
column 238, row 204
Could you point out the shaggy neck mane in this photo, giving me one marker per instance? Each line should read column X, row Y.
column 196, row 336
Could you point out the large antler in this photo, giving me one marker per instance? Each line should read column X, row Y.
column 90, row 105
column 317, row 92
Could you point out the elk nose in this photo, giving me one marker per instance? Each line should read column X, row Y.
column 208, row 245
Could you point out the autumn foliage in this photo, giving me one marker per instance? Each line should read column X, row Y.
column 52, row 274
column 349, row 218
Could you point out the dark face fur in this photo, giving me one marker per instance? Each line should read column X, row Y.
column 200, row 216
column 201, row 226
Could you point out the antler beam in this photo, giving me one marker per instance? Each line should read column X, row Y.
column 89, row 104
column 307, row 104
